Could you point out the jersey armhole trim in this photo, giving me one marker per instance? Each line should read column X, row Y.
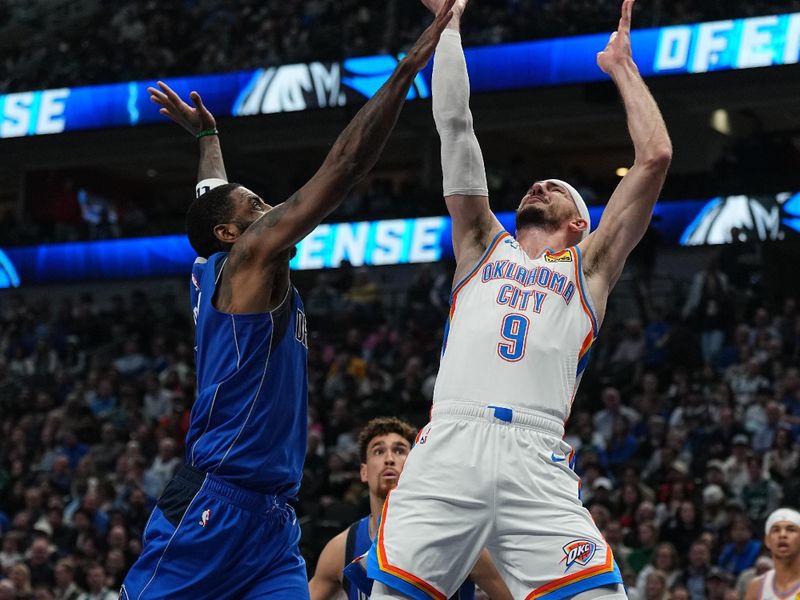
column 494, row 243
column 583, row 293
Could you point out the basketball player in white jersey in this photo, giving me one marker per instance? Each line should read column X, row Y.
column 491, row 468
column 782, row 537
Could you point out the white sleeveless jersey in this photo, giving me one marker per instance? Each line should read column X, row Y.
column 519, row 332
column 768, row 591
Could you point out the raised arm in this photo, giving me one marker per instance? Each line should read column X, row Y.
column 352, row 156
column 627, row 215
column 198, row 121
column 464, row 176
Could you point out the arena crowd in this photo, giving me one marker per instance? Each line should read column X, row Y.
column 55, row 43
column 685, row 429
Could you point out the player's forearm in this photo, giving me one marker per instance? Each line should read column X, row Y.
column 646, row 125
column 358, row 147
column 211, row 165
column 463, row 169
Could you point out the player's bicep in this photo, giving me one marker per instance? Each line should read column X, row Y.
column 474, row 225
column 624, row 222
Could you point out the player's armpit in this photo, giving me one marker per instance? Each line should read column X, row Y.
column 474, row 227
column 327, row 580
column 624, row 223
column 486, row 576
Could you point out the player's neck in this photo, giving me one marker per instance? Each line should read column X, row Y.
column 787, row 573
column 375, row 509
column 535, row 240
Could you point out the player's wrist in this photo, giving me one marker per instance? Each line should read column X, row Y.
column 209, row 132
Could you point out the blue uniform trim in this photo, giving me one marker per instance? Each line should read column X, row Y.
column 445, row 335
column 584, row 362
column 358, row 577
column 568, row 591
column 503, row 414
column 374, row 572
column 584, row 292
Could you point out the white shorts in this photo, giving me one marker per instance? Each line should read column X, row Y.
column 496, row 478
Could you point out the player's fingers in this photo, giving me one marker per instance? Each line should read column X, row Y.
column 445, row 14
column 154, row 93
column 198, row 102
column 170, row 93
column 627, row 12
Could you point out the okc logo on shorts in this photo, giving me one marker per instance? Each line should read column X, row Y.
column 578, row 551
column 205, row 517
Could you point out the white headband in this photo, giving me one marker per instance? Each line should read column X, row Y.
column 207, row 185
column 583, row 210
column 782, row 514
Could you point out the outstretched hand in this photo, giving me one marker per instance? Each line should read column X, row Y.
column 435, row 6
column 421, row 52
column 618, row 51
column 192, row 119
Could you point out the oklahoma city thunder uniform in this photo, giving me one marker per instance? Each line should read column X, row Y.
column 769, row 592
column 222, row 527
column 358, row 543
column 491, row 469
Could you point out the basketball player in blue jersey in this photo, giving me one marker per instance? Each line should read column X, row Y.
column 223, row 527
column 494, row 470
column 384, row 444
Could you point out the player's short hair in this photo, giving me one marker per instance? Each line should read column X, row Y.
column 384, row 426
column 206, row 212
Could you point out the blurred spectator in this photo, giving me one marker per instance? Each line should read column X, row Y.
column 664, row 561
column 697, row 570
column 741, row 552
column 96, row 585
column 65, row 587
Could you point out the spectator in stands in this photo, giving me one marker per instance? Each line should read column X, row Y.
column 65, row 586
column 96, row 584
column 664, row 560
column 603, row 420
column 742, row 551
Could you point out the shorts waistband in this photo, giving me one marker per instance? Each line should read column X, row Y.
column 238, row 496
column 499, row 414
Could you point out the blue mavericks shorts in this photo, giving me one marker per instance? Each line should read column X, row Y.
column 210, row 539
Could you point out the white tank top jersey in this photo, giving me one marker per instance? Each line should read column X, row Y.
column 768, row 591
column 519, row 333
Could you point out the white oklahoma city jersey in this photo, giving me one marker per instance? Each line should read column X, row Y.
column 769, row 592
column 519, row 332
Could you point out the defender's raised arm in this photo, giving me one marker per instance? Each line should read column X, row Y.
column 198, row 121
column 354, row 153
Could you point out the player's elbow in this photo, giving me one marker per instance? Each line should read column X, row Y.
column 659, row 158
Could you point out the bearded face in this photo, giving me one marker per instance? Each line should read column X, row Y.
column 545, row 206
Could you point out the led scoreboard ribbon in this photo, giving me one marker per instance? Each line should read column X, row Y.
column 700, row 48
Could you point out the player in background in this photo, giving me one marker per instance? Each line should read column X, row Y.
column 494, row 471
column 384, row 444
column 782, row 537
column 223, row 527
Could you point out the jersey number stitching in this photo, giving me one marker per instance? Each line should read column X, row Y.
column 514, row 331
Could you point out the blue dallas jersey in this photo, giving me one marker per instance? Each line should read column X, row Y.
column 248, row 424
column 358, row 543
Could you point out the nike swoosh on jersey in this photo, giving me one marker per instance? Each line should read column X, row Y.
column 555, row 458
